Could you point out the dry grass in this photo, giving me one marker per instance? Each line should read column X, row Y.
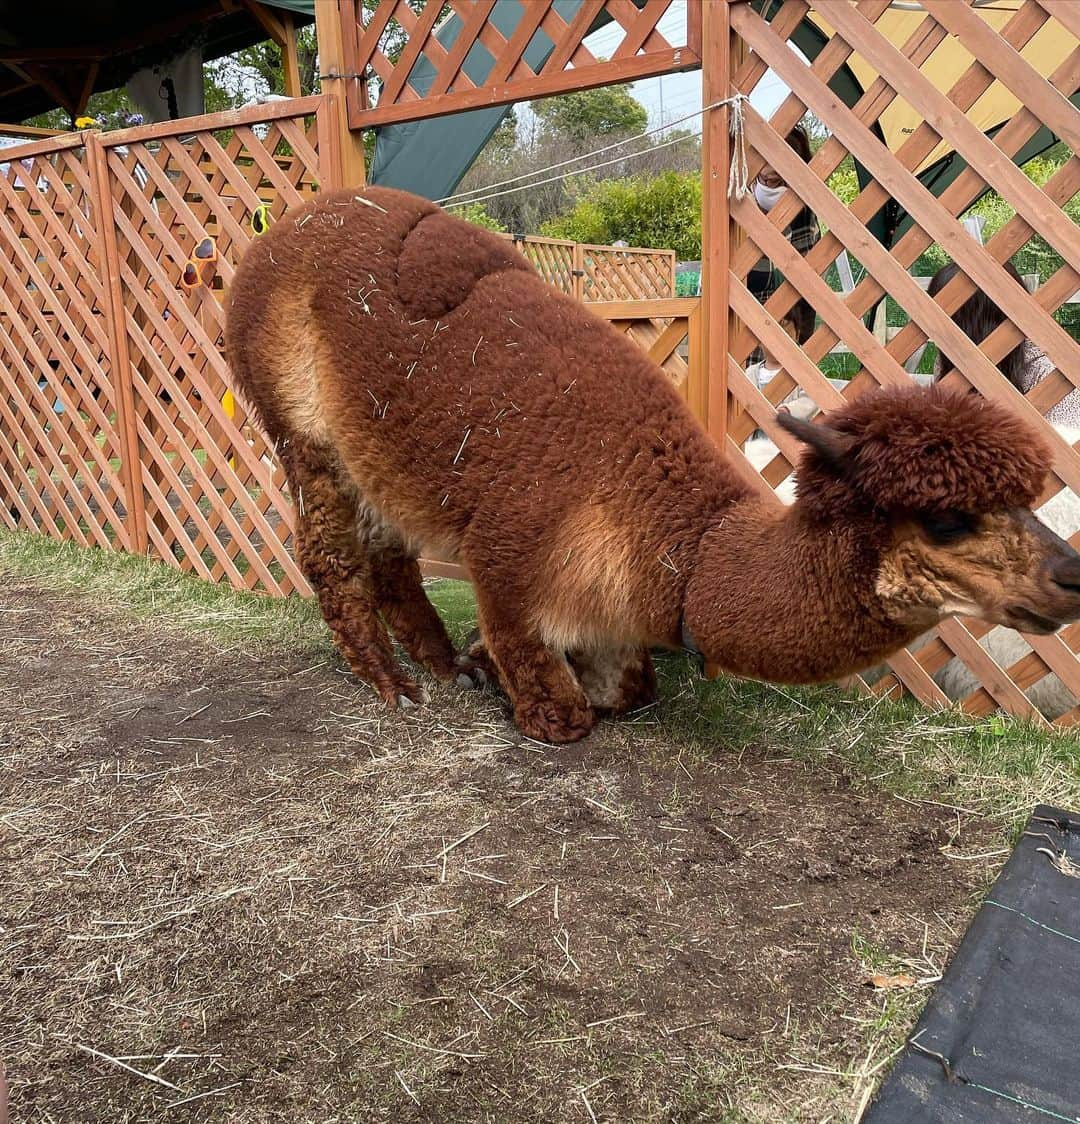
column 238, row 889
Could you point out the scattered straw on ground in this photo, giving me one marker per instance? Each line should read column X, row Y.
column 236, row 888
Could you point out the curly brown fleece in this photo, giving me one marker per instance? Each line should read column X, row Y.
column 929, row 451
column 425, row 386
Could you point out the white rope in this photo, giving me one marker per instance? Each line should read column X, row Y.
column 738, row 187
column 464, row 198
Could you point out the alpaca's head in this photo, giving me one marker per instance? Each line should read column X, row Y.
column 948, row 481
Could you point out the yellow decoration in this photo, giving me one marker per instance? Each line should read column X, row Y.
column 228, row 403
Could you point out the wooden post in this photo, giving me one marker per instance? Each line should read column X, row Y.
column 715, row 215
column 119, row 353
column 289, row 57
column 717, row 326
column 331, row 25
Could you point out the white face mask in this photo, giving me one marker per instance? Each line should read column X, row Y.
column 767, row 197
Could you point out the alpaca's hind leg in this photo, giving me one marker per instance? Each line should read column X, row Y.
column 616, row 680
column 548, row 701
column 408, row 613
column 339, row 569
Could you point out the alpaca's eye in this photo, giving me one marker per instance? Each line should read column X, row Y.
column 946, row 527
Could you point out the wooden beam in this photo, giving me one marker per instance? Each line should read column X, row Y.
column 28, row 131
column 40, row 77
column 331, row 27
column 119, row 352
column 91, row 53
column 670, row 60
column 282, row 30
column 87, row 88
column 715, row 214
column 268, row 20
column 290, row 57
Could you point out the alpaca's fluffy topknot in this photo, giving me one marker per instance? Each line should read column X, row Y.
column 919, row 449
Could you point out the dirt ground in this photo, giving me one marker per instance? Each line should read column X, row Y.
column 238, row 875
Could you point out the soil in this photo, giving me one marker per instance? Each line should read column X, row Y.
column 236, row 872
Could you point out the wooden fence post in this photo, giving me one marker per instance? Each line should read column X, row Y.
column 332, row 24
column 578, row 272
column 716, row 328
column 123, row 391
column 328, row 134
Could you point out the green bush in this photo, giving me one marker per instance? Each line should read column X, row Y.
column 844, row 183
column 661, row 212
column 477, row 214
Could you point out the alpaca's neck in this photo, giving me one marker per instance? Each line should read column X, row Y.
column 780, row 596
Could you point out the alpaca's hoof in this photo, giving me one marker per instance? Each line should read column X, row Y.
column 403, row 694
column 555, row 723
column 471, row 678
column 414, row 697
column 475, row 664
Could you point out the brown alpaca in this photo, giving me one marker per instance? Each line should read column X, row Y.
column 427, row 390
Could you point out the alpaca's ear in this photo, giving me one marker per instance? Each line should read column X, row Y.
column 832, row 446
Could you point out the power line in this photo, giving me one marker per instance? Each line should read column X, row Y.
column 563, row 175
column 461, row 195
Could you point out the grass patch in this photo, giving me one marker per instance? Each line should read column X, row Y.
column 997, row 766
column 147, row 589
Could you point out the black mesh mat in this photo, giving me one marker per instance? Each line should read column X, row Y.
column 999, row 1040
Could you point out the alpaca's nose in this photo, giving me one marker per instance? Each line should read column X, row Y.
column 1066, row 571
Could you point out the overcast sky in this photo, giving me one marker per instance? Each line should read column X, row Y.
column 675, row 95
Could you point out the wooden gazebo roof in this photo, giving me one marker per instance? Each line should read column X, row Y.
column 59, row 53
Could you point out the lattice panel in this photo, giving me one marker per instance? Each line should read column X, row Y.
column 880, row 361
column 600, row 273
column 213, row 488
column 617, row 274
column 411, row 65
column 668, row 332
column 553, row 259
column 60, row 449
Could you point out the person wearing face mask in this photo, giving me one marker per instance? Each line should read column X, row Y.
column 764, row 279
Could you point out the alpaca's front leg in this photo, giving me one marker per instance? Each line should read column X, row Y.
column 549, row 704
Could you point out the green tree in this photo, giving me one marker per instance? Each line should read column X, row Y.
column 607, row 111
column 477, row 214
column 662, row 212
column 266, row 62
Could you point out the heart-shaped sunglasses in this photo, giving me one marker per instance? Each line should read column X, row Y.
column 200, row 266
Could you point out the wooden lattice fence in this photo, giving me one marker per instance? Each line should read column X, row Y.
column 61, row 450
column 545, row 54
column 757, row 46
column 600, row 273
column 669, row 332
column 118, row 425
